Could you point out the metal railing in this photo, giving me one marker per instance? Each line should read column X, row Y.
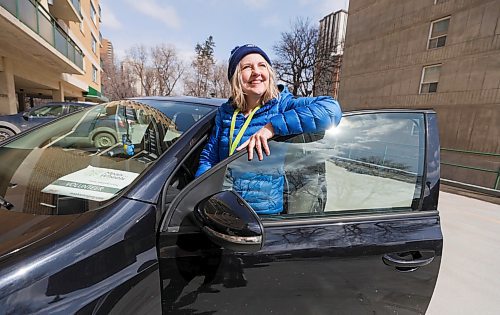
column 480, row 169
column 38, row 19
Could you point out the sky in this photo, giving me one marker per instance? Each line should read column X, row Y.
column 184, row 23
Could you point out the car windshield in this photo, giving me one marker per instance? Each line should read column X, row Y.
column 79, row 161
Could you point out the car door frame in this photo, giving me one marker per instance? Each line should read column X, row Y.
column 425, row 216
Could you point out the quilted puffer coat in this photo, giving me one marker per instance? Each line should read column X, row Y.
column 263, row 191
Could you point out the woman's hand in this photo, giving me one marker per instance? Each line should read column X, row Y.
column 258, row 141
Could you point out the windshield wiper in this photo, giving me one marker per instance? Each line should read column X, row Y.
column 4, row 203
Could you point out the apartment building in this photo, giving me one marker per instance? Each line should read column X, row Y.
column 49, row 49
column 439, row 54
column 331, row 38
column 107, row 52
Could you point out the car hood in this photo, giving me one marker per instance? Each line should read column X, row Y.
column 21, row 230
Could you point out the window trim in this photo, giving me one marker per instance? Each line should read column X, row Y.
column 170, row 212
column 94, row 74
column 93, row 13
column 422, row 78
column 93, row 43
column 430, row 38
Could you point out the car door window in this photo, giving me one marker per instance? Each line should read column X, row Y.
column 74, row 108
column 47, row 111
column 367, row 163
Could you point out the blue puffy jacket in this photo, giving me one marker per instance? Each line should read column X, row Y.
column 288, row 115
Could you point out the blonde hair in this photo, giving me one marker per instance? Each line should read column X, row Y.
column 238, row 96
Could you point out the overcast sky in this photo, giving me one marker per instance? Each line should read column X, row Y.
column 184, row 23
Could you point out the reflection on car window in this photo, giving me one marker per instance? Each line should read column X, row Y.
column 48, row 111
column 82, row 160
column 370, row 162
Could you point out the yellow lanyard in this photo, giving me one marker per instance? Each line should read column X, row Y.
column 234, row 145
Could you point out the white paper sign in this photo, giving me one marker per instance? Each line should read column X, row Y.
column 92, row 183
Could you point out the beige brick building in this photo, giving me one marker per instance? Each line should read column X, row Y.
column 440, row 54
column 49, row 49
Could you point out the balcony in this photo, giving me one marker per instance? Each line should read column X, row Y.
column 43, row 24
column 68, row 10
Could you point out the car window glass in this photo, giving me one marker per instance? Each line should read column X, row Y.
column 47, row 111
column 370, row 162
column 74, row 108
column 80, row 161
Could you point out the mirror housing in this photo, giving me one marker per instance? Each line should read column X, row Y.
column 26, row 115
column 230, row 222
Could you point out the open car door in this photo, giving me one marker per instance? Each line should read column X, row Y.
column 359, row 233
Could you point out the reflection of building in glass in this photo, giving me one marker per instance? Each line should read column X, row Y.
column 49, row 50
column 431, row 54
column 329, row 53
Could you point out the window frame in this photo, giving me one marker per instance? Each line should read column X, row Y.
column 426, row 202
column 94, row 74
column 420, row 90
column 93, row 43
column 431, row 38
column 93, row 13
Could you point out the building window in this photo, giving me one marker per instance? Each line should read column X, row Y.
column 94, row 44
column 430, row 79
column 93, row 14
column 438, row 33
column 94, row 73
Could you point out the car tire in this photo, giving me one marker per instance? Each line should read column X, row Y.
column 5, row 133
column 104, row 140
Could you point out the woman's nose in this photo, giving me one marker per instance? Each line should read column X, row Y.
column 256, row 70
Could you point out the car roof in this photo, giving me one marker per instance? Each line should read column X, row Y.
column 188, row 99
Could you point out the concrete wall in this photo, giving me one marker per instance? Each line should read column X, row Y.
column 386, row 50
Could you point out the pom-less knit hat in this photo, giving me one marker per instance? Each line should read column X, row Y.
column 238, row 53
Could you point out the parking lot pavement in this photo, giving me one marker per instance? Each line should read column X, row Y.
column 469, row 279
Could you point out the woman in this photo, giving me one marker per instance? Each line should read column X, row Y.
column 256, row 112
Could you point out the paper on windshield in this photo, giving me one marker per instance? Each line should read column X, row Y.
column 92, row 183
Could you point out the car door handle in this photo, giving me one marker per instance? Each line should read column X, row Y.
column 408, row 261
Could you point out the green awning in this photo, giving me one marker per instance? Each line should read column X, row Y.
column 95, row 96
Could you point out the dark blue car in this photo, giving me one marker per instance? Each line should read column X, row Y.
column 94, row 227
column 14, row 124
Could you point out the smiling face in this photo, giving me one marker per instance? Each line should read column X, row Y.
column 254, row 77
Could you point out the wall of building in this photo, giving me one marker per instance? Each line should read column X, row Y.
column 386, row 50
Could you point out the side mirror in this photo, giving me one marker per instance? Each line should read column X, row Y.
column 26, row 115
column 230, row 222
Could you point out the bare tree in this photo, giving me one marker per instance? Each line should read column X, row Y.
column 139, row 60
column 221, row 87
column 117, row 81
column 167, row 69
column 296, row 55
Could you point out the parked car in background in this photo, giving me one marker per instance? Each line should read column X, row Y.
column 14, row 124
column 125, row 228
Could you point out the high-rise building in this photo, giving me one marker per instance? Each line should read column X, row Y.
column 107, row 53
column 440, row 54
column 332, row 29
column 49, row 50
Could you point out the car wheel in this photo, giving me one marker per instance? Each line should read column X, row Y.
column 5, row 133
column 104, row 140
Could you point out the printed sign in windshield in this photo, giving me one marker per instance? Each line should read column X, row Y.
column 92, row 183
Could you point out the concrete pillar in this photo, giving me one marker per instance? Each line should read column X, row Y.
column 58, row 95
column 8, row 104
column 20, row 101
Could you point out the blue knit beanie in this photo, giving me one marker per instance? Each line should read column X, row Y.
column 238, row 53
